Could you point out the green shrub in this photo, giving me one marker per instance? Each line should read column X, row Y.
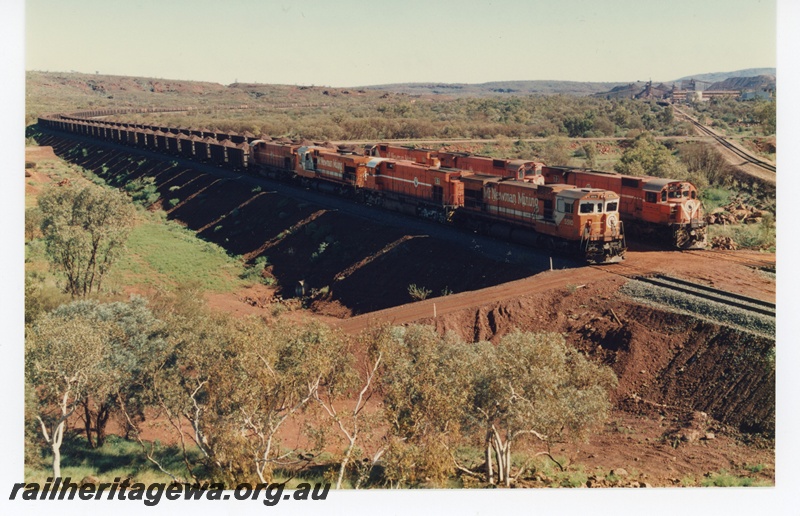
column 748, row 236
column 725, row 479
column 143, row 190
column 418, row 293
column 714, row 198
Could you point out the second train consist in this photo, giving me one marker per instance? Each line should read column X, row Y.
column 669, row 210
column 515, row 205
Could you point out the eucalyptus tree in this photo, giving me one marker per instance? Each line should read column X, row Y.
column 532, row 386
column 62, row 357
column 136, row 342
column 425, row 381
column 84, row 230
column 442, row 395
column 238, row 384
column 648, row 157
column 344, row 398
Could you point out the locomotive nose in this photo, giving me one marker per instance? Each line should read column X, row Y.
column 689, row 210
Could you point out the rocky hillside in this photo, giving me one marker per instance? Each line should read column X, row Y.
column 760, row 82
column 721, row 76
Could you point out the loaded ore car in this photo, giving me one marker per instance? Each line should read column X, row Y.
column 217, row 151
column 172, row 143
column 238, row 154
column 185, row 146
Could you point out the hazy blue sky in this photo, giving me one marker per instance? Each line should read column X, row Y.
column 352, row 42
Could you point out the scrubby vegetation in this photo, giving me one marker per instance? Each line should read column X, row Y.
column 407, row 118
column 736, row 118
column 240, row 382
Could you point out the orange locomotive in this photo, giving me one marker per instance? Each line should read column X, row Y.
column 667, row 208
column 326, row 165
column 559, row 217
column 509, row 168
column 414, row 188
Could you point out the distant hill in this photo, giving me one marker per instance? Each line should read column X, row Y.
column 727, row 81
column 721, row 76
column 761, row 82
column 52, row 92
column 498, row 88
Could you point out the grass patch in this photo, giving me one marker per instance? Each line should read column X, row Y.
column 573, row 478
column 122, row 458
column 116, row 458
column 714, row 198
column 754, row 468
column 725, row 479
column 164, row 252
column 748, row 236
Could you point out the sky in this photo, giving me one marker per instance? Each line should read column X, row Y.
column 357, row 43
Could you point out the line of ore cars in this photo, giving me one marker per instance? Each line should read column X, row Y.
column 565, row 209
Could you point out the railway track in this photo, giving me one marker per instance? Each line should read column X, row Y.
column 730, row 299
column 728, row 145
column 711, row 294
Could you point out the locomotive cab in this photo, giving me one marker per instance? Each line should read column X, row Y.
column 597, row 212
column 594, row 214
column 671, row 201
column 529, row 171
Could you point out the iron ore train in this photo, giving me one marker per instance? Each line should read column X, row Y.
column 519, row 200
